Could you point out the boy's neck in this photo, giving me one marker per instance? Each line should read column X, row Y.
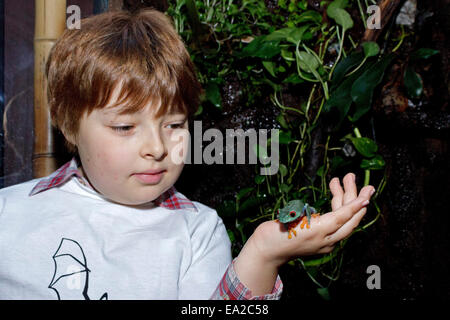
column 83, row 178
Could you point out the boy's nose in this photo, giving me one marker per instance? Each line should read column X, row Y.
column 153, row 146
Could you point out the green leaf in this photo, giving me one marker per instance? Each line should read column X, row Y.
column 270, row 66
column 282, row 121
column 302, row 4
column 212, row 94
column 423, row 53
column 307, row 35
column 260, row 48
column 231, row 236
column 293, row 78
column 243, row 192
column 341, row 3
column 199, row 111
column 279, row 35
column 375, row 163
column 268, row 50
column 365, row 146
column 285, row 188
column 296, row 34
column 321, row 202
column 320, row 172
column 292, row 34
column 337, row 4
column 240, row 225
column 340, row 97
column 226, row 209
column 261, row 152
column 307, row 61
column 343, row 18
column 362, row 89
column 285, row 137
column 371, row 49
column 324, row 293
column 344, row 66
column 283, row 170
column 413, row 83
column 335, row 10
column 259, row 179
column 310, row 15
column 287, row 55
column 337, row 162
column 251, row 203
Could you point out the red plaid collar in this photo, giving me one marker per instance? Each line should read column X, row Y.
column 169, row 199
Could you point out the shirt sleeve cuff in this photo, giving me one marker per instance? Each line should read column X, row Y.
column 231, row 288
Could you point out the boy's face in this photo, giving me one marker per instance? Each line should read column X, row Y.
column 115, row 150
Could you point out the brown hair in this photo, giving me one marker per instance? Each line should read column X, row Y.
column 142, row 49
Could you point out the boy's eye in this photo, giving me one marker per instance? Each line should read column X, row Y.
column 176, row 125
column 122, row 129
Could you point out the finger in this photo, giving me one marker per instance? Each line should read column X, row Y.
column 336, row 219
column 338, row 194
column 346, row 230
column 325, row 249
column 367, row 191
column 351, row 192
column 347, row 211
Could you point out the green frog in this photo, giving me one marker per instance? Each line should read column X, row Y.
column 295, row 212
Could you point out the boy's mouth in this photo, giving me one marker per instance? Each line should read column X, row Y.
column 150, row 177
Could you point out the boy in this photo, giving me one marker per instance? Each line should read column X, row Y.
column 109, row 224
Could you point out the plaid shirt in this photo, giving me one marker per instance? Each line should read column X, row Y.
column 230, row 288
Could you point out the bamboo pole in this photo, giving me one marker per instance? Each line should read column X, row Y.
column 50, row 22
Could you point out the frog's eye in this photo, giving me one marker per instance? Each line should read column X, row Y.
column 292, row 213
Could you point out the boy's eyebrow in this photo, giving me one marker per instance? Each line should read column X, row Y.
column 115, row 111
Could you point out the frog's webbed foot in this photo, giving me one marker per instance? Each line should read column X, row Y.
column 305, row 222
column 293, row 231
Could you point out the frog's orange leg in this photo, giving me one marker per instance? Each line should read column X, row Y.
column 305, row 220
column 293, row 231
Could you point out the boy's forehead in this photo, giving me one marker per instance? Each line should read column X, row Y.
column 123, row 110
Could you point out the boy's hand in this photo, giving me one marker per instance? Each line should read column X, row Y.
column 270, row 247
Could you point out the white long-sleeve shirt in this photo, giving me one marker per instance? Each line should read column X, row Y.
column 65, row 240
